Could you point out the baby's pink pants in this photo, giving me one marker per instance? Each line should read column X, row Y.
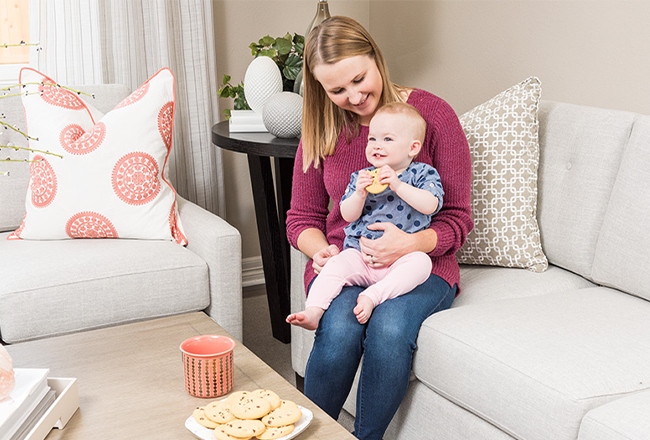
column 349, row 269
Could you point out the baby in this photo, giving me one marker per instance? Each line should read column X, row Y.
column 409, row 194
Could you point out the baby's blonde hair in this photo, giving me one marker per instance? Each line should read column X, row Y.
column 333, row 40
column 418, row 125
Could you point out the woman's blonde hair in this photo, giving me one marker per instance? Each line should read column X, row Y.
column 333, row 40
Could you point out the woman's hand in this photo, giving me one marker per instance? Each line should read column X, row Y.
column 321, row 257
column 394, row 243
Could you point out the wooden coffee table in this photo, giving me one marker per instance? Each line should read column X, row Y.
column 130, row 379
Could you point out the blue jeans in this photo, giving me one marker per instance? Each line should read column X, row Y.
column 387, row 342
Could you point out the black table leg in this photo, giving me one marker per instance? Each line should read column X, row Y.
column 283, row 179
column 273, row 245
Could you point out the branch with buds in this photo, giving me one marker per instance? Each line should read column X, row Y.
column 19, row 90
column 22, row 43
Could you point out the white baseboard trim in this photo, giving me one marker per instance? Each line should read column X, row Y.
column 252, row 271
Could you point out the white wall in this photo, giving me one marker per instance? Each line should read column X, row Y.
column 585, row 52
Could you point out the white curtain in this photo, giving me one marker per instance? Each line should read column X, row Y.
column 127, row 41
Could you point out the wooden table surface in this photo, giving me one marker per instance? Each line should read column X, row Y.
column 130, row 379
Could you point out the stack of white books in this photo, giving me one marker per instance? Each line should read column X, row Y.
column 246, row 121
column 29, row 400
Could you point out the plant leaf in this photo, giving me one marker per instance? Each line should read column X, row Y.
column 299, row 45
column 283, row 46
column 292, row 67
column 267, row 41
column 267, row 53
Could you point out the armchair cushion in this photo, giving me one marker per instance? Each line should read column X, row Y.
column 61, row 286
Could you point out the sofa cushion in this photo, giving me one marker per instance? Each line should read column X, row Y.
column 623, row 419
column 503, row 141
column 109, row 180
column 13, row 187
column 580, row 156
column 98, row 283
column 535, row 366
column 622, row 252
column 485, row 283
column 425, row 415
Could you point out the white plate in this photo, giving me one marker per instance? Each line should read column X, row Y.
column 207, row 434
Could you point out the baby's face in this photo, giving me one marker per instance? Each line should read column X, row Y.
column 390, row 141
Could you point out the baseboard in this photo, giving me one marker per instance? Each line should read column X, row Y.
column 252, row 271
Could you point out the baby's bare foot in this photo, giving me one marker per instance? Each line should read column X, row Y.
column 364, row 309
column 308, row 318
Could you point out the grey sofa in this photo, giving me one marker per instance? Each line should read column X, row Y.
column 54, row 287
column 563, row 354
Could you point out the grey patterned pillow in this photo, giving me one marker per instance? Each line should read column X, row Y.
column 503, row 141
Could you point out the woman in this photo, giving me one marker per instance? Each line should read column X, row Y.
column 346, row 81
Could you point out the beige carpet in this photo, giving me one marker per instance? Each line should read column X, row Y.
column 258, row 337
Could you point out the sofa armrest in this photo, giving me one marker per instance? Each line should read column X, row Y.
column 219, row 244
column 301, row 340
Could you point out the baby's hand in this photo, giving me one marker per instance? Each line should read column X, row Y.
column 364, row 180
column 320, row 258
column 388, row 176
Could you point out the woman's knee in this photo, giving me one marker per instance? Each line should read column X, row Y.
column 339, row 322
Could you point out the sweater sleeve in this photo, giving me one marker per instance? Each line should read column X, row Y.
column 448, row 148
column 309, row 201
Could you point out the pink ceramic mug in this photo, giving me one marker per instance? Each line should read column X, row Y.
column 208, row 365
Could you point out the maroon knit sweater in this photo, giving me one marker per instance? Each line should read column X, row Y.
column 445, row 148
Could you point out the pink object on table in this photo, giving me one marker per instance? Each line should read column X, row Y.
column 208, row 365
column 7, row 380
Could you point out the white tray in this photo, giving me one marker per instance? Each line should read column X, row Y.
column 61, row 411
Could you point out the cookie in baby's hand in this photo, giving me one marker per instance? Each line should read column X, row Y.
column 375, row 187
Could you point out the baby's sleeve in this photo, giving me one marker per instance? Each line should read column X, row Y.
column 429, row 180
column 352, row 186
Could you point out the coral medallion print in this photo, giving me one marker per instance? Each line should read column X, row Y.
column 90, row 225
column 135, row 96
column 55, row 95
column 135, row 178
column 43, row 182
column 76, row 141
column 165, row 123
column 177, row 235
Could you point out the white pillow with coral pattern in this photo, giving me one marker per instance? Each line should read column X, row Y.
column 110, row 181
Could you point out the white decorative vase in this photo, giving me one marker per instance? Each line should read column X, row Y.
column 262, row 80
column 282, row 115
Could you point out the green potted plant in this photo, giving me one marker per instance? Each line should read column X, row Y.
column 287, row 53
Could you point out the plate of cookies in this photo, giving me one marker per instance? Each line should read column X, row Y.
column 259, row 414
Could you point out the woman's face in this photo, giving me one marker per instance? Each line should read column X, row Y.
column 353, row 84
